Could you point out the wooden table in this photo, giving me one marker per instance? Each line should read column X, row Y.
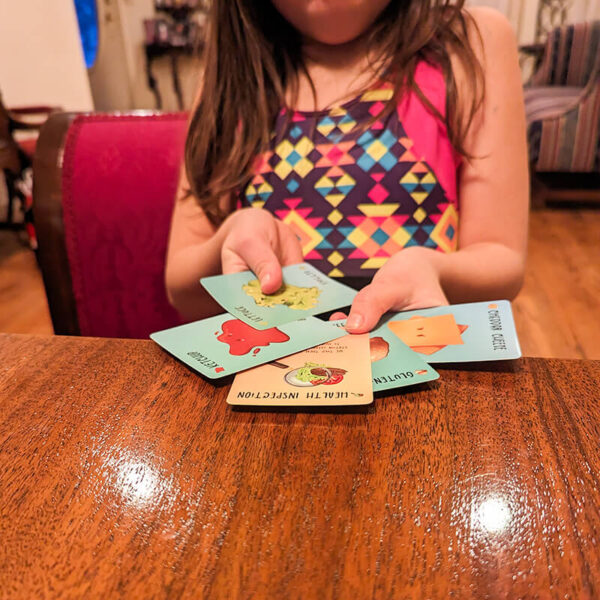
column 125, row 475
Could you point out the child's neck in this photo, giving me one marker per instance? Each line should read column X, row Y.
column 337, row 71
column 349, row 55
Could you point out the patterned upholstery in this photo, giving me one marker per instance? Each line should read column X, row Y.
column 563, row 102
column 119, row 180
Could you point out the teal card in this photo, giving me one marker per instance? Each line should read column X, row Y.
column 223, row 345
column 305, row 292
column 393, row 363
column 481, row 331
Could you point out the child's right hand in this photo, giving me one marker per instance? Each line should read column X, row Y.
column 258, row 241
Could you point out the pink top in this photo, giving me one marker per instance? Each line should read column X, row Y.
column 357, row 194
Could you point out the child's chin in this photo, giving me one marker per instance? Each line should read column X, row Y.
column 335, row 36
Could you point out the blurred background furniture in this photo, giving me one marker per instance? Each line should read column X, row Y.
column 104, row 187
column 563, row 109
column 16, row 157
column 180, row 32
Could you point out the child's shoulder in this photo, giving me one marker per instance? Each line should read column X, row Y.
column 493, row 33
column 494, row 44
column 485, row 16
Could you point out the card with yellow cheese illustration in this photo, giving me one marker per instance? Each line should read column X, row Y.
column 480, row 331
column 305, row 291
column 337, row 373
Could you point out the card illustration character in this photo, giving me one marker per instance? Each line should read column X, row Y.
column 312, row 374
column 428, row 335
column 379, row 348
column 293, row 296
column 242, row 338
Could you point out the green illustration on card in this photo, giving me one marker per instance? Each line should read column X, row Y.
column 292, row 296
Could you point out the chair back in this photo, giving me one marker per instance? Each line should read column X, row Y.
column 104, row 187
column 571, row 57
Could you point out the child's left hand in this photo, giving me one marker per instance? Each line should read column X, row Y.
column 408, row 280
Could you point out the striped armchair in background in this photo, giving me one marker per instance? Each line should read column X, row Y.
column 562, row 102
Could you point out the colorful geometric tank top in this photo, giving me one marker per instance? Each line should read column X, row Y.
column 355, row 197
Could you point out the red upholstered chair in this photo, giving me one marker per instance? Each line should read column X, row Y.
column 104, row 187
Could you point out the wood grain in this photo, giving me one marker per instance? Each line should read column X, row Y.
column 557, row 311
column 22, row 298
column 125, row 475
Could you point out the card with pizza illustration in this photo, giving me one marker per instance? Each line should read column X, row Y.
column 337, row 373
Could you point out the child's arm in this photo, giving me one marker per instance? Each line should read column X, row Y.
column 248, row 239
column 493, row 198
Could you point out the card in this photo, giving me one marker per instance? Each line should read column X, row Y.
column 223, row 345
column 433, row 331
column 337, row 373
column 305, row 291
column 480, row 331
column 393, row 363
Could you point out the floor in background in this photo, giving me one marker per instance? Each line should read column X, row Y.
column 557, row 313
column 23, row 307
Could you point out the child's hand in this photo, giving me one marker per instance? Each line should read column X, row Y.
column 258, row 241
column 408, row 280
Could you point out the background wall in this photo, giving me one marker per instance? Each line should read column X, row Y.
column 41, row 56
column 523, row 14
column 133, row 12
column 118, row 79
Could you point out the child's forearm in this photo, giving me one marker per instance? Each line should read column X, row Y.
column 480, row 272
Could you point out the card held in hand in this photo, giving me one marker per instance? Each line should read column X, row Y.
column 479, row 331
column 305, row 291
column 337, row 373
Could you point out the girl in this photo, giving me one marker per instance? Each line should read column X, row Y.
column 357, row 135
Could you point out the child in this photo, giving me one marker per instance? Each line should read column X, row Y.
column 355, row 134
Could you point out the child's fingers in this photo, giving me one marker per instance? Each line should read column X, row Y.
column 369, row 305
column 338, row 316
column 291, row 250
column 260, row 259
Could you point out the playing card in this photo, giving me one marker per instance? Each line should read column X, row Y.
column 223, row 345
column 393, row 363
column 337, row 373
column 480, row 331
column 306, row 291
column 433, row 331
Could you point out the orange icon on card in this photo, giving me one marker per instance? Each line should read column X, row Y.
column 428, row 335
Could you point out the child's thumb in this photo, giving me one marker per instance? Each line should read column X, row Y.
column 263, row 262
column 369, row 305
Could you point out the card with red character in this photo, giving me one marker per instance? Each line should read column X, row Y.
column 224, row 345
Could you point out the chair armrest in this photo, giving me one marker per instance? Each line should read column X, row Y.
column 48, row 219
column 536, row 50
column 18, row 122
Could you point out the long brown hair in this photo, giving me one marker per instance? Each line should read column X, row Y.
column 253, row 56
